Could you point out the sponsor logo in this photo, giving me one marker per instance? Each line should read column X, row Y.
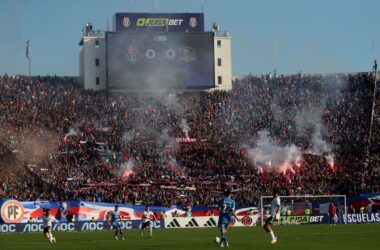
column 12, row 211
column 246, row 220
column 193, row 22
column 126, row 22
column 210, row 223
column 5, row 228
column 33, row 228
column 316, row 219
column 158, row 22
column 91, row 226
column 294, row 219
column 192, row 223
column 173, row 224
column 133, row 54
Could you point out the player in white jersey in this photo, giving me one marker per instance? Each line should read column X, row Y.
column 274, row 216
column 47, row 219
column 146, row 222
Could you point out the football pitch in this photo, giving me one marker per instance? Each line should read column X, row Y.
column 289, row 237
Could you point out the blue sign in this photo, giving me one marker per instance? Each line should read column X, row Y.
column 165, row 22
column 363, row 218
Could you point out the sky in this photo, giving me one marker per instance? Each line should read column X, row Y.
column 310, row 36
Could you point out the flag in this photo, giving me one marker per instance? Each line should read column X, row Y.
column 27, row 49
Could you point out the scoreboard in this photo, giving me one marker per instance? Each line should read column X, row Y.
column 153, row 60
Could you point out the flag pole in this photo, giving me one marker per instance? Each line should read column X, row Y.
column 27, row 53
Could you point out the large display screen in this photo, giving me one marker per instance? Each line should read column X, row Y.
column 164, row 22
column 141, row 61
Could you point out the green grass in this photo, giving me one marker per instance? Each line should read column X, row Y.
column 289, row 237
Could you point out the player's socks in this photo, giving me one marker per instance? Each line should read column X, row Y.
column 141, row 234
column 52, row 239
column 151, row 232
column 271, row 234
column 224, row 238
column 121, row 235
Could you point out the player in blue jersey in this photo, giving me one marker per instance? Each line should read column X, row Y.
column 114, row 220
column 226, row 212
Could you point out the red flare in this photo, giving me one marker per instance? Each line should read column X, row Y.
column 127, row 173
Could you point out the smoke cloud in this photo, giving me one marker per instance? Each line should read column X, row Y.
column 309, row 123
column 269, row 154
column 126, row 169
column 185, row 127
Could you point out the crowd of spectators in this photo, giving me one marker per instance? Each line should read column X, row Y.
column 65, row 142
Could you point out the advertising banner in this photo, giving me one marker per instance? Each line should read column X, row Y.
column 73, row 226
column 208, row 221
column 165, row 22
column 363, row 218
column 304, row 219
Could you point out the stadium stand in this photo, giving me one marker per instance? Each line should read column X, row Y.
column 58, row 141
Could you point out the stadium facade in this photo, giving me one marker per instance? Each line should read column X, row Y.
column 150, row 51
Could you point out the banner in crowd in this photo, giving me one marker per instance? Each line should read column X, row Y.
column 208, row 221
column 168, row 22
column 13, row 211
column 73, row 226
column 370, row 202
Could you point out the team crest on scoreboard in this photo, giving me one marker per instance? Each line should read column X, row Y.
column 12, row 211
column 126, row 22
column 193, row 22
column 187, row 54
column 133, row 54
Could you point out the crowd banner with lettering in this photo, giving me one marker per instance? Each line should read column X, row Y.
column 163, row 22
column 13, row 211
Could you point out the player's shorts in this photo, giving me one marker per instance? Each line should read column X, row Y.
column 333, row 219
column 145, row 225
column 271, row 220
column 116, row 224
column 224, row 223
column 46, row 230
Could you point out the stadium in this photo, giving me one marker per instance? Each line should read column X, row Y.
column 158, row 141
